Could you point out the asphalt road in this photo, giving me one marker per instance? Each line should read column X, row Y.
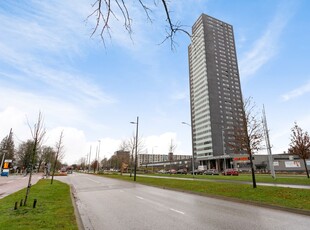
column 105, row 203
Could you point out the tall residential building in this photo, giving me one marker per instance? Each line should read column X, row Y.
column 215, row 92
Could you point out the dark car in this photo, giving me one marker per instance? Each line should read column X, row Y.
column 182, row 171
column 230, row 172
column 211, row 172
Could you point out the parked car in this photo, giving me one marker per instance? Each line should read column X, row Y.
column 162, row 171
column 230, row 172
column 182, row 171
column 197, row 172
column 211, row 172
column 172, row 171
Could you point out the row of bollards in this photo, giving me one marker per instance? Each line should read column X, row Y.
column 21, row 204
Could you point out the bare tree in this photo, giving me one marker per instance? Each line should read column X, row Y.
column 7, row 144
column 46, row 155
column 300, row 144
column 37, row 133
column 249, row 135
column 124, row 145
column 24, row 153
column 59, row 153
column 104, row 10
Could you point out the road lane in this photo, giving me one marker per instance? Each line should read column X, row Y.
column 106, row 203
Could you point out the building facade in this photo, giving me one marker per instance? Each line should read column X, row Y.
column 215, row 92
column 152, row 159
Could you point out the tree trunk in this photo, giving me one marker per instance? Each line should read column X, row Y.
column 306, row 167
column 253, row 173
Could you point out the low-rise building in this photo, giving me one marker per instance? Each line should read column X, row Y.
column 148, row 159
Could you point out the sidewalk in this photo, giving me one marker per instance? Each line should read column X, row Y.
column 14, row 183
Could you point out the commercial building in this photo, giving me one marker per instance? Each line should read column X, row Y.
column 215, row 92
column 287, row 163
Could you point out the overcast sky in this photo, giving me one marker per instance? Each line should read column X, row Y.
column 92, row 91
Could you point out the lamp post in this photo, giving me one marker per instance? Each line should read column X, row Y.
column 89, row 159
column 136, row 150
column 85, row 163
column 193, row 158
column 153, row 157
column 223, row 144
column 98, row 157
column 3, row 157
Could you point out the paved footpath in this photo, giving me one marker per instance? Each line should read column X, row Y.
column 14, row 183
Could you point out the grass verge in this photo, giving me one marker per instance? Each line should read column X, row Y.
column 298, row 199
column 260, row 178
column 54, row 209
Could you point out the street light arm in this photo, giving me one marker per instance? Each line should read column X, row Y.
column 185, row 123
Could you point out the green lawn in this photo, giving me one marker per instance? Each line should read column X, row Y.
column 275, row 196
column 54, row 209
column 263, row 178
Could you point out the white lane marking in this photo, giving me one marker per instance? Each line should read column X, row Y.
column 10, row 181
column 177, row 211
column 139, row 197
column 93, row 180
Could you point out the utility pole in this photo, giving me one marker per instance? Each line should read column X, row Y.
column 270, row 159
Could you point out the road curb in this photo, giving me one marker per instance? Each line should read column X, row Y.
column 76, row 210
column 292, row 210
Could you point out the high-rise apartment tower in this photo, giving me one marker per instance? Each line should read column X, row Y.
column 215, row 92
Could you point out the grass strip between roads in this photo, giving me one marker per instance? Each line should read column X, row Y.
column 291, row 198
column 54, row 209
column 260, row 178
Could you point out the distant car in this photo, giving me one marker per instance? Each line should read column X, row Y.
column 230, row 172
column 197, row 172
column 211, row 172
column 172, row 171
column 162, row 171
column 182, row 171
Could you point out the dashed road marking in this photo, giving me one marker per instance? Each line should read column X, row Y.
column 93, row 180
column 139, row 197
column 177, row 211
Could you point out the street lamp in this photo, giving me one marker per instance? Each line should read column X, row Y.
column 153, row 157
column 136, row 151
column 98, row 157
column 3, row 157
column 193, row 158
column 223, row 144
